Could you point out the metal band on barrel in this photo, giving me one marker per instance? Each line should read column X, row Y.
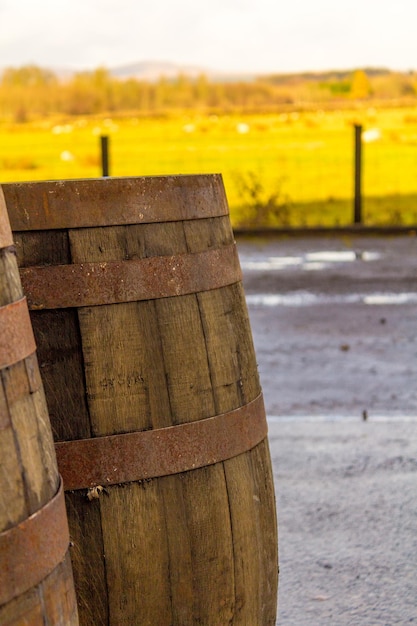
column 90, row 284
column 49, row 205
column 87, row 463
column 33, row 549
column 16, row 335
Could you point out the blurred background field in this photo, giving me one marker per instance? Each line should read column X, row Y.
column 286, row 161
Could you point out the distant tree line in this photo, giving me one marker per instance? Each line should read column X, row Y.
column 31, row 91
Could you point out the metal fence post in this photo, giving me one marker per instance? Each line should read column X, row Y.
column 357, row 215
column 104, row 140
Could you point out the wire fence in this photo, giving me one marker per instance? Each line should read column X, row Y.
column 294, row 169
column 330, row 180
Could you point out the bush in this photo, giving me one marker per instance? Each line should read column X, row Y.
column 259, row 207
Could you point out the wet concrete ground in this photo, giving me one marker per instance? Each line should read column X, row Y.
column 334, row 322
column 347, row 519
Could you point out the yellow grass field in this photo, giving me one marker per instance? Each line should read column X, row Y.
column 285, row 168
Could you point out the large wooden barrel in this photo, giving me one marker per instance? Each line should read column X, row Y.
column 36, row 584
column 148, row 363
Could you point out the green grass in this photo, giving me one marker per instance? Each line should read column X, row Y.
column 300, row 165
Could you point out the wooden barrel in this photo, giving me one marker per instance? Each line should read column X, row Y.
column 147, row 359
column 36, row 584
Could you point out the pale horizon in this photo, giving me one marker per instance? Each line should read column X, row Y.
column 228, row 36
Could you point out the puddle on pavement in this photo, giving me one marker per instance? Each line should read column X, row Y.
column 390, row 298
column 272, row 263
column 307, row 298
column 309, row 261
column 344, row 256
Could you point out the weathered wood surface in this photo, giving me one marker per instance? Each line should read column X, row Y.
column 198, row 547
column 28, row 472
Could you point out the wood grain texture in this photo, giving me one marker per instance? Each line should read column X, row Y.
column 28, row 472
column 194, row 548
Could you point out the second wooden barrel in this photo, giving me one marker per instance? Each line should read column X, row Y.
column 36, row 583
column 148, row 364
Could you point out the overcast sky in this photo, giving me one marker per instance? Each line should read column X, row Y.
column 230, row 35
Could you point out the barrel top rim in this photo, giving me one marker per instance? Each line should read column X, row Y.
column 112, row 201
column 62, row 182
